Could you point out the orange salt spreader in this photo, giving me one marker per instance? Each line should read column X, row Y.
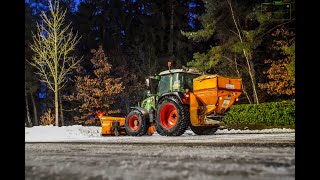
column 212, row 96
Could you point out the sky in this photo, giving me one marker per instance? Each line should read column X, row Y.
column 77, row 3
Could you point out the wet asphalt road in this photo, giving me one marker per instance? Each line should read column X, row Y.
column 272, row 159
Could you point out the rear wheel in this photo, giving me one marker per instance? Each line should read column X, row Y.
column 204, row 130
column 172, row 117
column 136, row 124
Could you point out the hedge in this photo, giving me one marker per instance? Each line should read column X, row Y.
column 264, row 115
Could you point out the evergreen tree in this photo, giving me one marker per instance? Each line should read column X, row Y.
column 238, row 30
column 95, row 93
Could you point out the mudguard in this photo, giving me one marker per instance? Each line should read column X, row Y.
column 142, row 110
column 179, row 95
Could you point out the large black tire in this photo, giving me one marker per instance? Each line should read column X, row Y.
column 172, row 117
column 203, row 130
column 136, row 124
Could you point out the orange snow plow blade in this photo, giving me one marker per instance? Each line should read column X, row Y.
column 115, row 126
column 112, row 125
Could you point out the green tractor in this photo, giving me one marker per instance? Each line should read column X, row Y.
column 166, row 105
column 182, row 98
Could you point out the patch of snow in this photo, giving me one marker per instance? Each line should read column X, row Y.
column 42, row 133
column 84, row 133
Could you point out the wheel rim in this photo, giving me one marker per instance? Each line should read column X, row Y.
column 169, row 116
column 134, row 122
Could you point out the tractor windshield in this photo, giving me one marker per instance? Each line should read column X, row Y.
column 177, row 82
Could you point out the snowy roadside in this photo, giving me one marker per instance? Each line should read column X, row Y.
column 78, row 132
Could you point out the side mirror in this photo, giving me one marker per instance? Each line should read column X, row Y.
column 148, row 82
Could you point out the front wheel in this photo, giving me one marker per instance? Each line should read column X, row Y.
column 172, row 117
column 204, row 130
column 136, row 124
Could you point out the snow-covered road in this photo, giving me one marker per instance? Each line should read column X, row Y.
column 81, row 153
column 83, row 161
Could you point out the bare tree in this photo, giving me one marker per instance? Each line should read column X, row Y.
column 52, row 46
column 247, row 55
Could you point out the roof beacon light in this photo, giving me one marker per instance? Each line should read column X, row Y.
column 169, row 65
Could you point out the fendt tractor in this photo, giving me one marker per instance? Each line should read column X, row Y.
column 178, row 99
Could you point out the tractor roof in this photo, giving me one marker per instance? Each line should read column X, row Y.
column 188, row 71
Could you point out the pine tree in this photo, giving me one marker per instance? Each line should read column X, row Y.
column 236, row 31
column 98, row 92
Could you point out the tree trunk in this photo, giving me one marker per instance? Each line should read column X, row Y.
column 246, row 93
column 27, row 107
column 35, row 113
column 56, row 104
column 61, row 110
column 252, row 77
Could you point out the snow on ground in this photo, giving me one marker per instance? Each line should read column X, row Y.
column 84, row 133
column 43, row 133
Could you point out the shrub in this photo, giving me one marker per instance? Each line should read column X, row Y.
column 47, row 118
column 264, row 115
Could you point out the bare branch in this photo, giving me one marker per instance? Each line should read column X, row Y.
column 275, row 28
column 236, row 34
column 234, row 20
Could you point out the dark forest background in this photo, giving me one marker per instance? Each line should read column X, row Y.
column 139, row 37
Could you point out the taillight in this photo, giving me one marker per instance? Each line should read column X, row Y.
column 100, row 114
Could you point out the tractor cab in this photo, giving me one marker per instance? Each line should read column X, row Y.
column 177, row 80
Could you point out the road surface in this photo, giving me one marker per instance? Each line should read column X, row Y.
column 225, row 156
